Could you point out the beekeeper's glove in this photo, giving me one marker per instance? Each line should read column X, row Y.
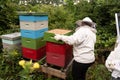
column 117, row 65
column 111, row 66
column 58, row 37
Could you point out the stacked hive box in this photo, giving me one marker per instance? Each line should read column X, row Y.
column 11, row 41
column 33, row 27
column 57, row 52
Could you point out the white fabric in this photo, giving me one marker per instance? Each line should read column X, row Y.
column 83, row 41
column 118, row 40
column 87, row 19
column 114, row 59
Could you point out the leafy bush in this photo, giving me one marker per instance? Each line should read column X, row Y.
column 105, row 38
column 98, row 72
column 9, row 65
column 7, row 14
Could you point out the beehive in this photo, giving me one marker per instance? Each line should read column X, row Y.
column 33, row 43
column 32, row 16
column 58, row 54
column 33, row 25
column 11, row 41
column 34, row 54
column 49, row 35
column 37, row 25
column 12, row 36
column 34, row 34
column 9, row 47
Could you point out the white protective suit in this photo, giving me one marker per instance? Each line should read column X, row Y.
column 83, row 41
column 113, row 61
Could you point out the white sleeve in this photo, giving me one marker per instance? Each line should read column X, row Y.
column 76, row 38
column 109, row 60
column 107, row 65
column 113, row 59
column 117, row 65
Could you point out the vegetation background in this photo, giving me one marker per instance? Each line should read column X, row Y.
column 61, row 15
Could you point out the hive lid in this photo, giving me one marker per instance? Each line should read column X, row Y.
column 11, row 36
column 59, row 31
column 31, row 13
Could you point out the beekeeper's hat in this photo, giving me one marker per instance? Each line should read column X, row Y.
column 89, row 21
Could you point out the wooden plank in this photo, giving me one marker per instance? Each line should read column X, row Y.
column 53, row 72
column 56, row 72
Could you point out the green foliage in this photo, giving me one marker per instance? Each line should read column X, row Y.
column 9, row 65
column 70, row 5
column 61, row 18
column 83, row 9
column 7, row 14
column 107, row 2
column 98, row 72
column 105, row 38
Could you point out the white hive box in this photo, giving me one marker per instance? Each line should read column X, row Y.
column 33, row 25
column 11, row 41
column 11, row 36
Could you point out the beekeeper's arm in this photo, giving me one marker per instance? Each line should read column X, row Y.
column 108, row 62
column 113, row 60
column 113, row 65
column 116, row 65
column 77, row 37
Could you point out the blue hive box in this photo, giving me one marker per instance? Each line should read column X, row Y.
column 33, row 34
column 33, row 17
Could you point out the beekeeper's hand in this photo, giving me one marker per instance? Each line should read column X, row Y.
column 108, row 64
column 111, row 66
column 58, row 37
column 117, row 65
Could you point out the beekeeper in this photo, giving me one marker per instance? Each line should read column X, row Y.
column 83, row 41
column 113, row 61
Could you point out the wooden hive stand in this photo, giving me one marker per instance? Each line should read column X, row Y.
column 59, row 73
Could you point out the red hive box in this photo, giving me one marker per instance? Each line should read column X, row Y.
column 58, row 54
column 34, row 54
